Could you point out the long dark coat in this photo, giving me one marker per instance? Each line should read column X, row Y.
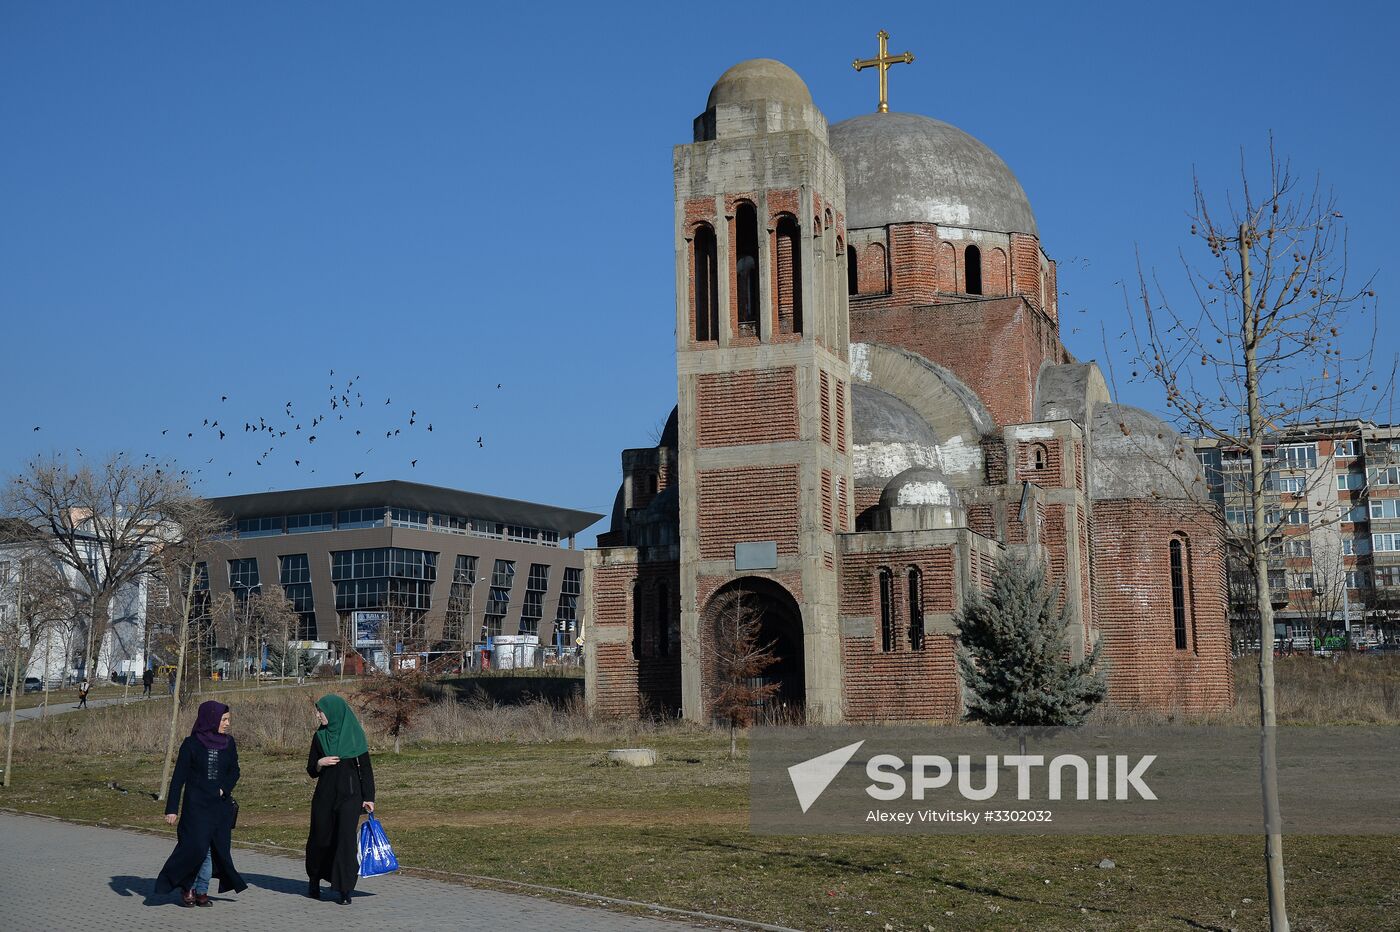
column 206, row 824
column 332, row 846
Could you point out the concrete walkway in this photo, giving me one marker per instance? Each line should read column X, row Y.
column 56, row 875
column 58, row 708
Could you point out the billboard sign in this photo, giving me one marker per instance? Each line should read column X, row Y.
column 367, row 628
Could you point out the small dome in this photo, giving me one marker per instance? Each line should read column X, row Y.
column 759, row 79
column 1135, row 454
column 889, row 436
column 906, row 168
column 919, row 485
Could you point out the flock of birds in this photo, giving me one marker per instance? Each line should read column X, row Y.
column 290, row 429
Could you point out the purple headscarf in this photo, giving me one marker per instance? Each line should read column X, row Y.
column 206, row 725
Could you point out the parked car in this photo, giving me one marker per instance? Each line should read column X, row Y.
column 32, row 684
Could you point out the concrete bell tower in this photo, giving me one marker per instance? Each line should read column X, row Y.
column 762, row 338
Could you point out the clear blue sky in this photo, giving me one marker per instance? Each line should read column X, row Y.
column 208, row 199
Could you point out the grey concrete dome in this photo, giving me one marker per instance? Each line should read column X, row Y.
column 1135, row 454
column 906, row 168
column 759, row 79
column 889, row 436
column 919, row 485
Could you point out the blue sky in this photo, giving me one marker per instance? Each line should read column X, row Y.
column 199, row 200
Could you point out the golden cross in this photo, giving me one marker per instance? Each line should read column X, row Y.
column 883, row 62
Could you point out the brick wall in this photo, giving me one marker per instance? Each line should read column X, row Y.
column 747, row 503
column 872, row 275
column 1133, row 606
column 902, row 684
column 994, row 345
column 1048, row 475
column 749, row 406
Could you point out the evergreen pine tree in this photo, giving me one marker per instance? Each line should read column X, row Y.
column 1014, row 657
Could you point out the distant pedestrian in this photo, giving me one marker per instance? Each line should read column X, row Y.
column 206, row 772
column 339, row 763
column 172, row 682
column 148, row 678
column 83, row 688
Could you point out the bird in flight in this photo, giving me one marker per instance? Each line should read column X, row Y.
column 413, row 464
column 479, row 443
column 359, row 474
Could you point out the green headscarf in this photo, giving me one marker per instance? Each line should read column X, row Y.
column 342, row 735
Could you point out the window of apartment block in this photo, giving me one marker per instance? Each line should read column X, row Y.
column 1356, row 546
column 1299, row 547
column 566, row 616
column 1384, row 508
column 498, row 600
column 1358, row 579
column 1350, row 481
column 1345, row 449
column 1385, row 543
column 1389, row 475
column 1355, row 514
column 1296, row 516
column 1300, row 581
column 1388, row 576
column 459, row 599
column 1297, row 456
column 243, row 577
column 1293, row 485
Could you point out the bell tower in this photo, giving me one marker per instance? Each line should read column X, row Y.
column 762, row 338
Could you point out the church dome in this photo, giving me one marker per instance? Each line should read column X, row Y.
column 919, row 485
column 889, row 436
column 906, row 168
column 759, row 79
column 1134, row 454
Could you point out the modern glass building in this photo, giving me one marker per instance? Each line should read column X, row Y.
column 453, row 567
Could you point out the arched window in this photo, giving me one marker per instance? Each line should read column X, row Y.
column 705, row 282
column 746, row 267
column 1036, row 459
column 972, row 270
column 916, row 609
column 663, row 620
column 852, row 271
column 638, row 623
column 874, row 280
column 787, row 283
column 888, row 638
column 1178, row 570
column 828, row 218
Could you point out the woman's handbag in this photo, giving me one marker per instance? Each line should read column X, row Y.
column 376, row 856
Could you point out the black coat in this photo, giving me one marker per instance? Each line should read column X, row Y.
column 332, row 845
column 206, row 823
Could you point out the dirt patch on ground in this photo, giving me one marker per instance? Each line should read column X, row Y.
column 531, row 818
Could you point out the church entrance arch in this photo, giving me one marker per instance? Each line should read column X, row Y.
column 772, row 617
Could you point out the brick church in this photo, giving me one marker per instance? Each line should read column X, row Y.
column 874, row 403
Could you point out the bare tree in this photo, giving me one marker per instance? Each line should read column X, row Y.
column 101, row 523
column 1258, row 354
column 274, row 620
column 36, row 598
column 739, row 664
column 189, row 528
column 393, row 699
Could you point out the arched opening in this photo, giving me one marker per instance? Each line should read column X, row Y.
column 787, row 283
column 916, row 609
column 755, row 613
column 663, row 620
column 1036, row 460
column 746, row 268
column 1177, row 557
column 705, row 283
column 873, row 279
column 852, row 271
column 638, row 623
column 972, row 270
column 888, row 638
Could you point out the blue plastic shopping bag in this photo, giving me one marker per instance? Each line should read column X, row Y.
column 376, row 856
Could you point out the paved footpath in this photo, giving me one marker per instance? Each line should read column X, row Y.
column 56, row 875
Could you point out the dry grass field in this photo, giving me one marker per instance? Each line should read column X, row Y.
column 524, row 793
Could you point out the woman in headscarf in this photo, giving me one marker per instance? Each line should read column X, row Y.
column 339, row 763
column 206, row 772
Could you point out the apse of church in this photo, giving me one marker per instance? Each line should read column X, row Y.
column 873, row 404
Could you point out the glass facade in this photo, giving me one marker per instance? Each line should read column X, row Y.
column 243, row 578
column 536, row 584
column 498, row 600
column 295, row 577
column 566, row 616
column 459, row 599
column 383, row 577
column 353, row 518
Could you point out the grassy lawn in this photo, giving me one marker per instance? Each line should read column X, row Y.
column 552, row 812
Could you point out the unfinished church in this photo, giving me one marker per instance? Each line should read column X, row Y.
column 874, row 402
